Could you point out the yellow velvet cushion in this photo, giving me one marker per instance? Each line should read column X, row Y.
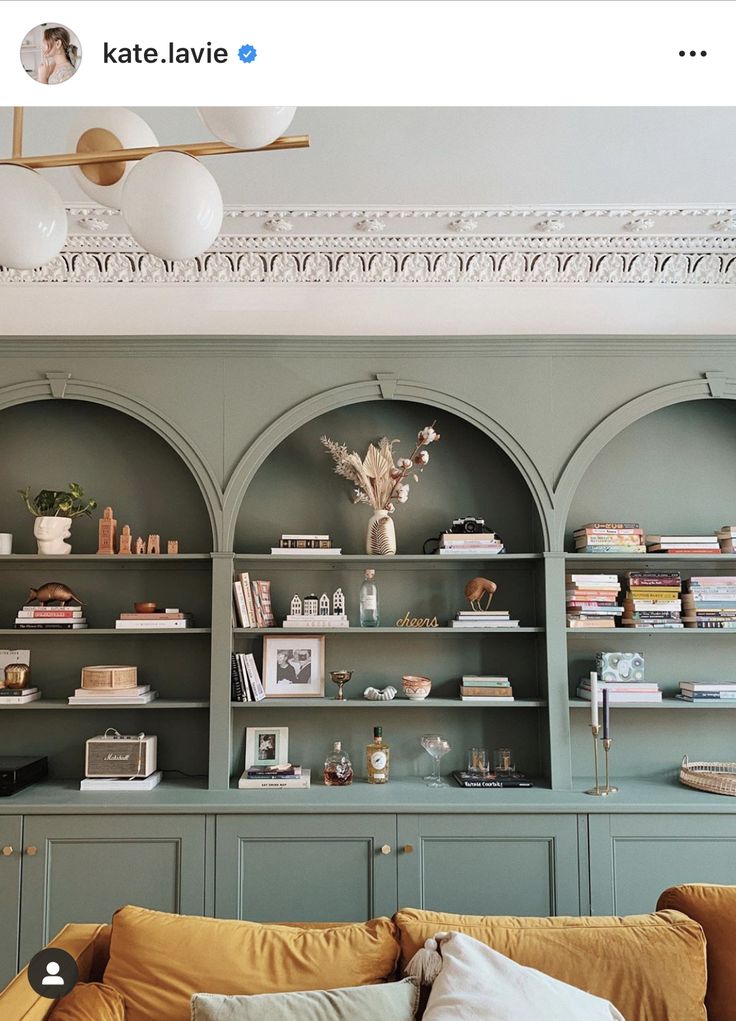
column 714, row 907
column 157, row 961
column 90, row 1001
column 652, row 967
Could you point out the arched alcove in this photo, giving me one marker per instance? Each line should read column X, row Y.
column 296, row 489
column 669, row 470
column 117, row 460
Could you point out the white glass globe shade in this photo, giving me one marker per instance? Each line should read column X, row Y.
column 106, row 128
column 32, row 219
column 247, row 127
column 172, row 205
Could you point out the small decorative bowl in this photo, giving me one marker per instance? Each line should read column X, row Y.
column 416, row 688
column 144, row 607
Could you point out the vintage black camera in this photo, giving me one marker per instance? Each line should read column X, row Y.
column 468, row 526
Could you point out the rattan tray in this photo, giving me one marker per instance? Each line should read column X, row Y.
column 713, row 777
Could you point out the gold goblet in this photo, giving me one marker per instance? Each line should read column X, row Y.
column 340, row 678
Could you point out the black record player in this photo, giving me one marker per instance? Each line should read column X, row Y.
column 19, row 771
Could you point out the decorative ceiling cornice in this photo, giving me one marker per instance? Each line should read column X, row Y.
column 427, row 246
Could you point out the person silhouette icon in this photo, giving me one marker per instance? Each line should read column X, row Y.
column 52, row 973
column 52, row 977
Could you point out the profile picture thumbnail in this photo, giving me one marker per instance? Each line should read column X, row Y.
column 51, row 53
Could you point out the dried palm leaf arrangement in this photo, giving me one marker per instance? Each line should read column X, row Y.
column 381, row 482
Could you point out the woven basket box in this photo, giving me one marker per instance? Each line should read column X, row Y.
column 109, row 676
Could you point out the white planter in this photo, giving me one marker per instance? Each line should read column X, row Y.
column 50, row 535
column 380, row 539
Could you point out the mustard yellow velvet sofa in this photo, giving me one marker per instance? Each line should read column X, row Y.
column 672, row 965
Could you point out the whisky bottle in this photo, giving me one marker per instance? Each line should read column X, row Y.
column 377, row 758
column 338, row 771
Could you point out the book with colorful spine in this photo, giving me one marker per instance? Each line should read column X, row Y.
column 609, row 537
column 652, row 600
column 592, row 600
column 710, row 602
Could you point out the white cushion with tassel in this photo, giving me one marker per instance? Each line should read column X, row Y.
column 470, row 982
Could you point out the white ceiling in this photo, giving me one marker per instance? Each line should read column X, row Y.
column 364, row 156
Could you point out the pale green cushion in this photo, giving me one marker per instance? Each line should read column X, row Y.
column 395, row 1000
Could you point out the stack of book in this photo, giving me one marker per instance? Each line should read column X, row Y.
column 710, row 603
column 609, row 537
column 245, row 681
column 18, row 696
column 652, row 600
column 623, row 693
column 592, row 600
column 141, row 694
column 170, row 619
column 475, row 688
column 683, row 544
column 480, row 619
column 59, row 618
column 285, row 777
column 470, row 544
column 707, row 691
column 252, row 602
column 726, row 535
column 305, row 545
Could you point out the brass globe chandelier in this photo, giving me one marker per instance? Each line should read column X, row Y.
column 169, row 200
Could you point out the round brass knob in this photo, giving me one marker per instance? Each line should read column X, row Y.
column 408, row 849
column 7, row 851
column 31, row 851
column 386, row 849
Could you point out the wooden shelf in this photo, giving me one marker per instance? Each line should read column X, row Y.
column 112, row 560
column 400, row 560
column 661, row 560
column 396, row 703
column 630, row 632
column 158, row 703
column 666, row 703
column 387, row 630
column 104, row 632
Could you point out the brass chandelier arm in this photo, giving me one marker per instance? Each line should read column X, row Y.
column 80, row 159
column 17, row 131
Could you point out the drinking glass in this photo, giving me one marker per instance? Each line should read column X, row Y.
column 436, row 746
column 427, row 738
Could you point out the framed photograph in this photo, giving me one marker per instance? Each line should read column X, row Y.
column 266, row 746
column 294, row 666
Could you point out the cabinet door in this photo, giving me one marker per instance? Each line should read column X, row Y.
column 10, row 858
column 489, row 864
column 633, row 858
column 311, row 868
column 84, row 867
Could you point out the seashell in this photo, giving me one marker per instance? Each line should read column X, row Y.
column 380, row 694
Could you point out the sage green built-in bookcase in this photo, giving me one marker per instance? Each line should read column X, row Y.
column 158, row 486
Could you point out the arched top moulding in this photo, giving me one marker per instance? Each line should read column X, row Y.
column 384, row 386
column 718, row 385
column 60, row 385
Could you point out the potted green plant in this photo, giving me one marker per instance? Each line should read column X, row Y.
column 54, row 511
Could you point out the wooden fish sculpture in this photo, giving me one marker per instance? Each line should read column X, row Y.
column 476, row 589
column 53, row 591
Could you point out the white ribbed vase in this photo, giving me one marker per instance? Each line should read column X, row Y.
column 380, row 540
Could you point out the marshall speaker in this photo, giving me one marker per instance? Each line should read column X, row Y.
column 120, row 755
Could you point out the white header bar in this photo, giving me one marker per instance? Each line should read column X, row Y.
column 379, row 52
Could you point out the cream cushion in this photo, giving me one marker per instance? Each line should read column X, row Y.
column 477, row 982
column 396, row 1001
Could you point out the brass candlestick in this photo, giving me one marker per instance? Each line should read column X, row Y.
column 597, row 791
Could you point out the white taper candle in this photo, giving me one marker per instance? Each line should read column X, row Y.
column 593, row 698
